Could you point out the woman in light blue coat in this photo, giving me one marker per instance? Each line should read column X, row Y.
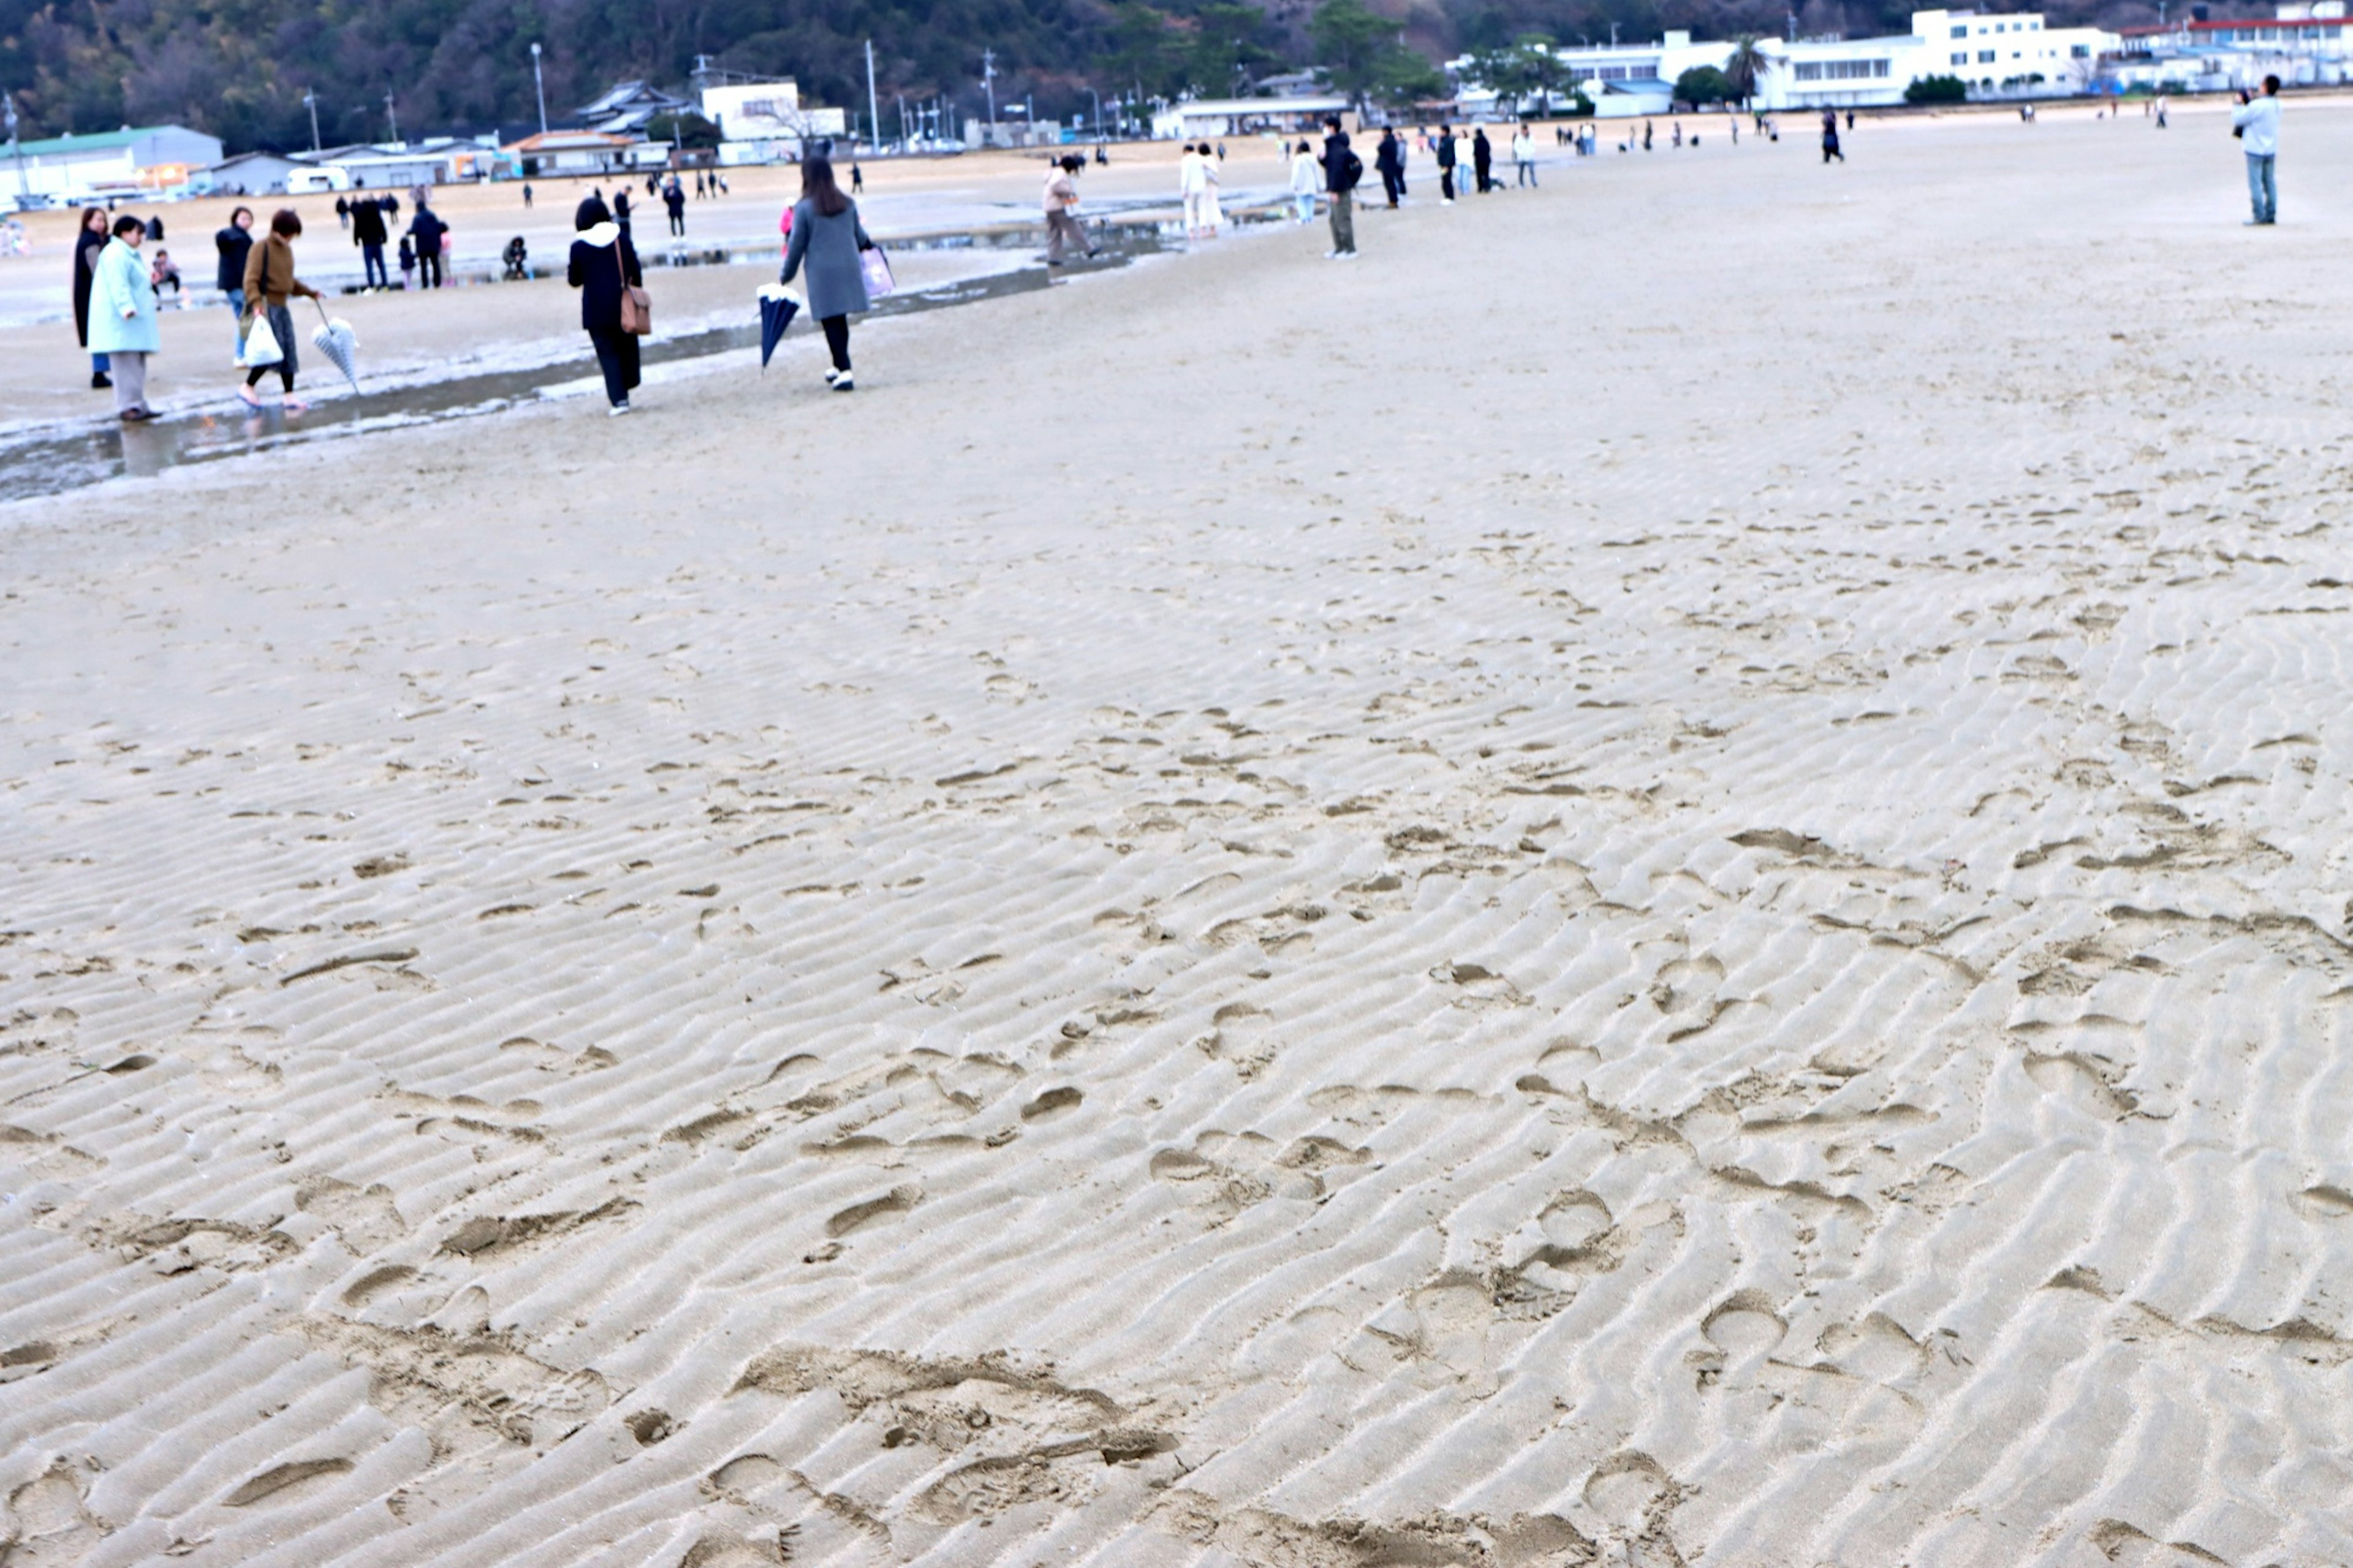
column 123, row 317
column 829, row 236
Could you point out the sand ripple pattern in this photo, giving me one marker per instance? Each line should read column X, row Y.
column 1571, row 1024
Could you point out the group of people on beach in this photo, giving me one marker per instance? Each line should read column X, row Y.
column 425, row 245
column 116, row 300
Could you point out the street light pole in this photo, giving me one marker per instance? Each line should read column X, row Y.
column 539, row 85
column 873, row 109
column 393, row 115
column 1098, row 98
column 988, row 81
column 16, row 147
column 311, row 103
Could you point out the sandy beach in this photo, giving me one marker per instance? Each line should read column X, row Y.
column 1657, row 877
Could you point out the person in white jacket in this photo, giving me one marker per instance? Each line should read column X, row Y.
column 1523, row 155
column 1195, row 184
column 2256, row 124
column 1307, row 179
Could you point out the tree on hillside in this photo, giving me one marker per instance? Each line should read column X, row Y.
column 1362, row 54
column 1529, row 71
column 1232, row 47
column 1147, row 56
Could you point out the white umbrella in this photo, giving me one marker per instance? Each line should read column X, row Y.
column 336, row 339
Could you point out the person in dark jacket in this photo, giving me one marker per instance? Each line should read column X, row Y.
column 427, row 229
column 1483, row 161
column 87, row 246
column 1389, row 159
column 1446, row 164
column 675, row 198
column 368, row 234
column 343, row 212
column 603, row 263
column 1342, row 170
column 829, row 236
column 235, row 243
column 1830, row 137
column 270, row 283
column 620, row 207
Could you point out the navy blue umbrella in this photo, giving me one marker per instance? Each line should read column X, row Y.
column 777, row 308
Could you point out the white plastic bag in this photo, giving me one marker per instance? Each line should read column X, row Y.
column 260, row 345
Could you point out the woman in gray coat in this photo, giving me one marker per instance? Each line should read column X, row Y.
column 829, row 236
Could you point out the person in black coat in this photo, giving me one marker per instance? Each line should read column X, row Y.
column 602, row 258
column 1342, row 170
column 368, row 234
column 235, row 243
column 675, row 198
column 1483, row 161
column 1389, row 159
column 427, row 229
column 87, row 244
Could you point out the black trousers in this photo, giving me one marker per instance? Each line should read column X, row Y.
column 678, row 224
column 429, row 266
column 837, row 339
column 1446, row 180
column 1394, row 184
column 616, row 356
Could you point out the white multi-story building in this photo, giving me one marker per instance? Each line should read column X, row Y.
column 2009, row 54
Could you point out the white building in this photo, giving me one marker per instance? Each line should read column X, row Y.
column 765, row 122
column 1999, row 55
column 144, row 161
column 1247, row 116
column 2304, row 44
column 248, row 174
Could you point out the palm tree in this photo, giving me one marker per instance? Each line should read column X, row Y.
column 1747, row 68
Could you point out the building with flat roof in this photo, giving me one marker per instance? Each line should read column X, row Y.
column 2303, row 45
column 1997, row 54
column 133, row 161
column 1248, row 116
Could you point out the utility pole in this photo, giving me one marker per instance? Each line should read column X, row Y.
column 393, row 115
column 1098, row 98
column 988, row 81
column 873, row 109
column 539, row 85
column 903, row 117
column 311, row 103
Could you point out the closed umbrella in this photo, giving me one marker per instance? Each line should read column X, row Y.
column 778, row 306
column 335, row 339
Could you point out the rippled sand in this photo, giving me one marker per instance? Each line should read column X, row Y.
column 1657, row 877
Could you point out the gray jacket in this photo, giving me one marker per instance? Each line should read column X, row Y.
column 836, row 283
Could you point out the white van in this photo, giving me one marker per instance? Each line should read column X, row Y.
column 310, row 181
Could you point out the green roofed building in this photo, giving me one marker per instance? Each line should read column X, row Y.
column 133, row 161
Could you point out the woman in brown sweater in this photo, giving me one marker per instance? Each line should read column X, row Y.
column 269, row 283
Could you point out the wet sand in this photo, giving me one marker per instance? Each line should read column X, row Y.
column 1657, row 877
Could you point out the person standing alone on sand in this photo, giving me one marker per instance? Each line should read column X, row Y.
column 603, row 263
column 235, row 243
column 269, row 283
column 89, row 244
column 675, row 198
column 829, row 236
column 1342, row 170
column 1389, row 159
column 1483, row 160
column 1830, row 137
column 2256, row 124
column 1524, row 156
column 122, row 324
column 1446, row 165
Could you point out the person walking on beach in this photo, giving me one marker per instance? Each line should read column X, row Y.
column 828, row 236
column 1389, row 159
column 1062, row 228
column 604, row 262
column 2160, row 111
column 427, row 229
column 1483, row 160
column 620, row 206
column 1523, row 155
column 368, row 233
column 674, row 199
column 1830, row 137
column 1446, row 165
column 857, row 177
column 2256, row 124
column 235, row 243
column 1189, row 186
column 122, row 324
column 269, row 283
column 1342, row 170
column 1307, row 179
column 89, row 244
column 342, row 213
column 526, row 195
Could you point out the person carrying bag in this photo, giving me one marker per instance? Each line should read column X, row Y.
column 615, row 310
column 841, row 259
